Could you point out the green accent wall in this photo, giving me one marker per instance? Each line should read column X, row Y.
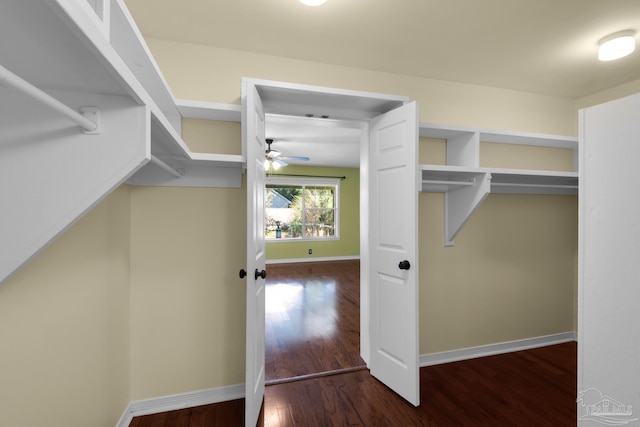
column 349, row 242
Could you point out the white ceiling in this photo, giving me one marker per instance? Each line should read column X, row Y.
column 541, row 46
column 326, row 142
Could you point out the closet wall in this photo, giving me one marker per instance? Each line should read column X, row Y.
column 64, row 326
column 187, row 326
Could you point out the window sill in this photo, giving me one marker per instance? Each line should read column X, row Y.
column 306, row 239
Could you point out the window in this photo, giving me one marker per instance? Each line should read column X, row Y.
column 301, row 209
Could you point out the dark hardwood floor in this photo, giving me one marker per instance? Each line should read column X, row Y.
column 312, row 320
column 530, row 388
column 527, row 388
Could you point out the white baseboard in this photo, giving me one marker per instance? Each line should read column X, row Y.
column 493, row 349
column 180, row 401
column 313, row 259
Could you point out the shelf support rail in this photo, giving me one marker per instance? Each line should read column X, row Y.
column 166, row 167
column 7, row 78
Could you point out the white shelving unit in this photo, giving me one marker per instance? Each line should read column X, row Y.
column 466, row 184
column 195, row 169
column 209, row 110
column 57, row 58
column 172, row 162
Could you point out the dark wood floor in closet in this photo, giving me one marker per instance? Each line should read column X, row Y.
column 528, row 388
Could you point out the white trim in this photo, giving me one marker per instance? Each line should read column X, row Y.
column 493, row 349
column 180, row 401
column 302, row 239
column 313, row 259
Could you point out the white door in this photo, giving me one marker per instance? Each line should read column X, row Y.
column 254, row 148
column 393, row 190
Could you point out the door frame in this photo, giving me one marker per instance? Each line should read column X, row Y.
column 297, row 100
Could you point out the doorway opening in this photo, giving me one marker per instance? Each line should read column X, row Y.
column 312, row 306
column 389, row 303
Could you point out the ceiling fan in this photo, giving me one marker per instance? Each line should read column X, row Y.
column 275, row 159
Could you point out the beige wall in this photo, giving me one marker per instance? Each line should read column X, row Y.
column 209, row 74
column 211, row 136
column 616, row 92
column 64, row 326
column 509, row 276
column 187, row 301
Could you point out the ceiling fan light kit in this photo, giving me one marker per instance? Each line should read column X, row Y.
column 616, row 45
column 275, row 159
column 271, row 164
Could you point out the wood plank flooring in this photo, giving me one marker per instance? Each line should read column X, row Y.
column 531, row 388
column 527, row 388
column 312, row 320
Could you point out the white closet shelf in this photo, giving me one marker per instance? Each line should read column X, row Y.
column 209, row 110
column 515, row 181
column 167, row 144
column 441, row 179
column 466, row 184
column 128, row 42
column 121, row 43
column 431, row 130
column 196, row 169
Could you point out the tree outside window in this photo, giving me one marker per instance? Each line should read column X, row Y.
column 301, row 209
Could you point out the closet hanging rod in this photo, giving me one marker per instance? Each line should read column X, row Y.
column 523, row 185
column 166, row 167
column 7, row 78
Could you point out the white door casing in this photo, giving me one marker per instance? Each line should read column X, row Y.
column 395, row 131
column 393, row 190
column 254, row 146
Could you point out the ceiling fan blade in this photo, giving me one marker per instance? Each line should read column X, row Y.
column 280, row 162
column 300, row 158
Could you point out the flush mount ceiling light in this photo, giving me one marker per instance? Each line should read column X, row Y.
column 617, row 45
column 312, row 2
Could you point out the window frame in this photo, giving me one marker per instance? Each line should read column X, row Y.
column 304, row 182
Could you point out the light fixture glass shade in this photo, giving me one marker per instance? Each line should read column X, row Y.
column 615, row 48
column 312, row 2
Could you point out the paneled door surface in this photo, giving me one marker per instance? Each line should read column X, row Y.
column 254, row 144
column 393, row 211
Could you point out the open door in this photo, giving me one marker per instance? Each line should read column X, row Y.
column 393, row 210
column 253, row 137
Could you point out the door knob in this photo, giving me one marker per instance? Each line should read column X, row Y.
column 404, row 265
column 262, row 274
column 243, row 273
